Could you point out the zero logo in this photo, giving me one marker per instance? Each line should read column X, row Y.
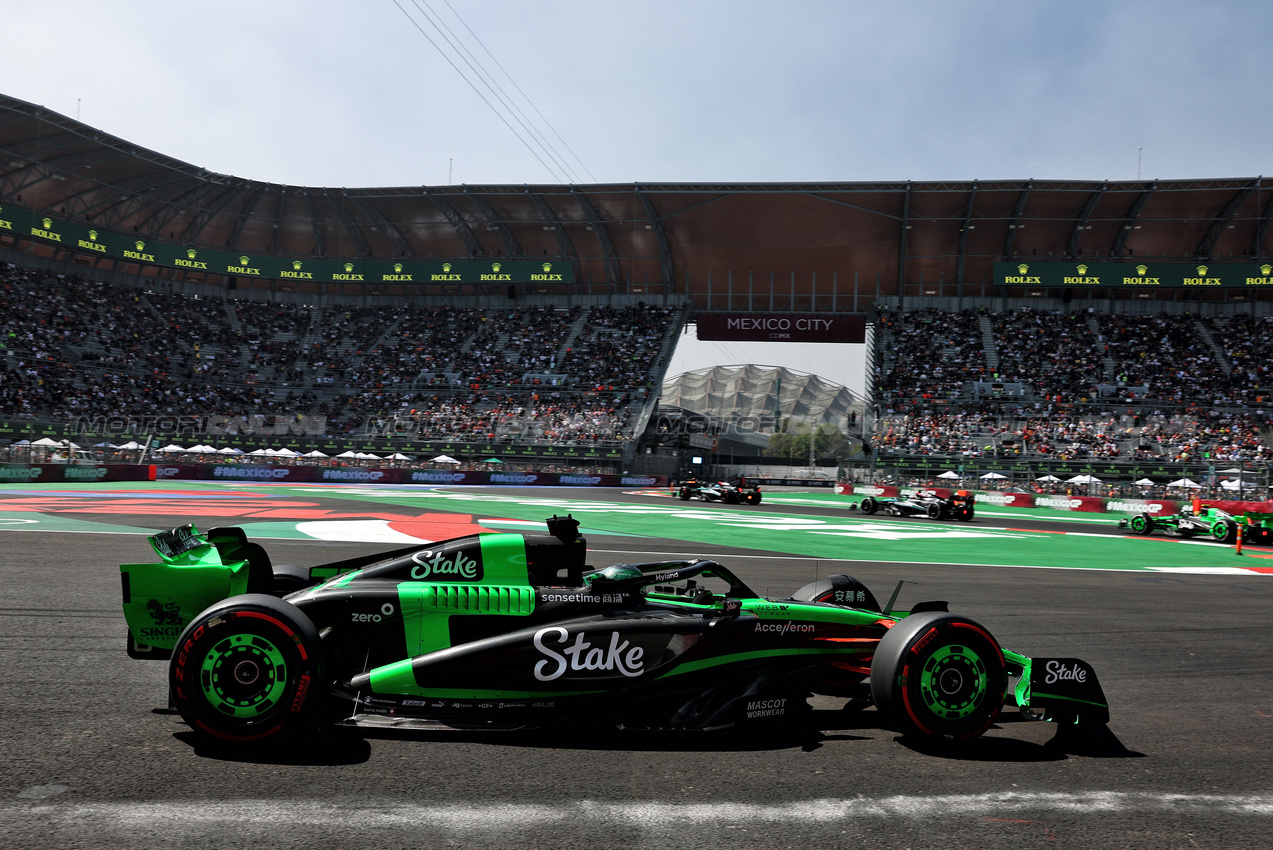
column 386, row 610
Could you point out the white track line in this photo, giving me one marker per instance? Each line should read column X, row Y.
column 501, row 817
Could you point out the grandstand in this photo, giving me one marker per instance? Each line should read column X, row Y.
column 1049, row 388
column 1022, row 324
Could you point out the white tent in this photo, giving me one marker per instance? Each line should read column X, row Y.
column 1185, row 482
column 445, row 459
column 1145, row 482
column 131, row 444
column 993, row 475
column 315, row 453
column 950, row 474
column 367, row 456
column 398, row 456
column 45, row 441
column 229, row 450
column 1048, row 478
column 171, row 447
column 1083, row 479
column 349, row 453
column 285, row 452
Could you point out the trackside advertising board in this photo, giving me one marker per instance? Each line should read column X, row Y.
column 1141, row 275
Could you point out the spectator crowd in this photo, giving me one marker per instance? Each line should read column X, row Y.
column 1075, row 385
column 74, row 348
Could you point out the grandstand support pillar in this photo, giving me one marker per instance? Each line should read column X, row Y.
column 751, row 289
column 901, row 247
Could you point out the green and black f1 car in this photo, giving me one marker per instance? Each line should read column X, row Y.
column 502, row 631
column 1206, row 522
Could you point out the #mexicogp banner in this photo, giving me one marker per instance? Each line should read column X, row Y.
column 79, row 238
column 1144, row 274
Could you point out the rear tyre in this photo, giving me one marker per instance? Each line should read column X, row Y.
column 684, row 494
column 1225, row 531
column 939, row 677
column 753, row 499
column 933, row 511
column 963, row 513
column 248, row 672
column 1142, row 524
column 869, row 505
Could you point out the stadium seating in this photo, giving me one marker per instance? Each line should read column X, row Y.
column 74, row 347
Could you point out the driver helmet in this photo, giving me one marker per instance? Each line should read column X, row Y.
column 614, row 572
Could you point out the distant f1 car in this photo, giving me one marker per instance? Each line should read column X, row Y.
column 719, row 491
column 924, row 503
column 500, row 631
column 1217, row 524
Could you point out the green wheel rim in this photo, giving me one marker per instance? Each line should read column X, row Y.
column 243, row 676
column 1138, row 523
column 953, row 683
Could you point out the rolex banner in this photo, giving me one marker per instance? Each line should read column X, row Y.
column 1139, row 274
column 22, row 223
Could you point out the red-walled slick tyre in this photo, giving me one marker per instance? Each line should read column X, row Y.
column 939, row 676
column 248, row 671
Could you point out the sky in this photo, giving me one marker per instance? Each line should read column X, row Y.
column 375, row 93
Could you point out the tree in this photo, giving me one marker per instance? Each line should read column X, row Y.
column 827, row 443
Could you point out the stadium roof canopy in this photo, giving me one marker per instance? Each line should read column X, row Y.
column 760, row 392
column 746, row 247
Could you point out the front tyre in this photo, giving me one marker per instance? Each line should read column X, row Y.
column 248, row 671
column 869, row 506
column 1142, row 524
column 1225, row 531
column 939, row 676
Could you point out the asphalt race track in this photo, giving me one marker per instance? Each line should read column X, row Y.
column 1183, row 655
